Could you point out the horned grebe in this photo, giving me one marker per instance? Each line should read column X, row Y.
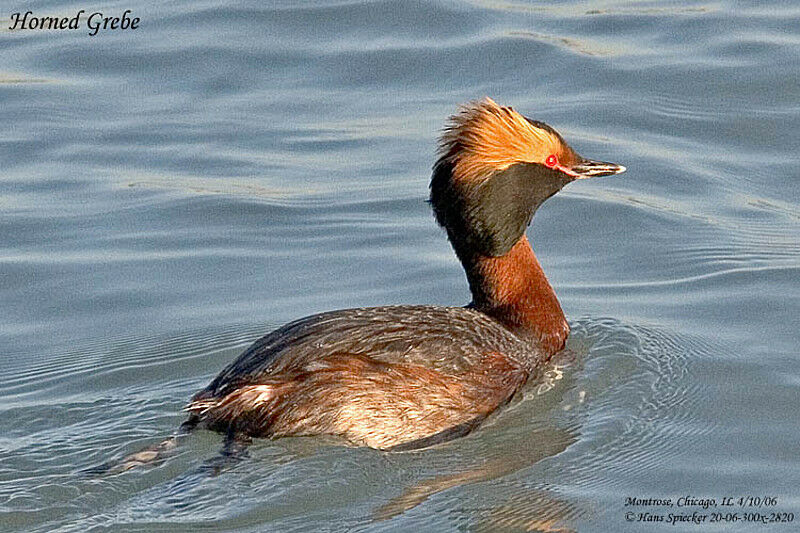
column 404, row 377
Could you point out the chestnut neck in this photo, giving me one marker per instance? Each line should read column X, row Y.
column 513, row 289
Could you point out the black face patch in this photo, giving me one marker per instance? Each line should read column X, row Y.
column 490, row 216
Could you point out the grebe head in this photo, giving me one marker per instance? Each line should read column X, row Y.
column 495, row 168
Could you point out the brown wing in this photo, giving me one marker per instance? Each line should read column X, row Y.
column 450, row 340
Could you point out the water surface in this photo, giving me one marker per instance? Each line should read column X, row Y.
column 169, row 194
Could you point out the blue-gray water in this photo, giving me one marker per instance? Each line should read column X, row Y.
column 169, row 194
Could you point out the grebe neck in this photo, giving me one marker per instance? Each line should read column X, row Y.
column 513, row 289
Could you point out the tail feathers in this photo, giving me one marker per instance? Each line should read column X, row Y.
column 201, row 407
column 230, row 407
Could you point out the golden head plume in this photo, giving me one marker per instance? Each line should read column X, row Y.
column 484, row 136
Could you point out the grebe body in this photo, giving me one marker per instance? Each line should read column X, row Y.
column 385, row 377
column 403, row 377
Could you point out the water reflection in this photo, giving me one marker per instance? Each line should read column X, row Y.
column 504, row 461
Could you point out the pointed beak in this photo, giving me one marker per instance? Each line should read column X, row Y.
column 590, row 169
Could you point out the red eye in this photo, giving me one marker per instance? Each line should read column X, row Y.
column 551, row 161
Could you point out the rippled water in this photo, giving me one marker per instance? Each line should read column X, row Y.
column 169, row 194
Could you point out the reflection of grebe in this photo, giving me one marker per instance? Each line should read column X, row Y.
column 410, row 376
